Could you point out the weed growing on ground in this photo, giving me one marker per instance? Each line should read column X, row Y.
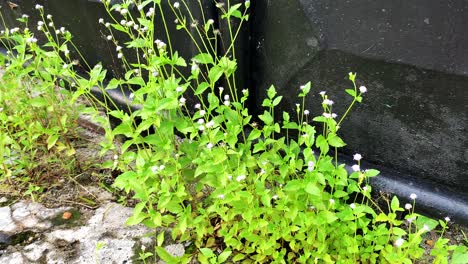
column 239, row 190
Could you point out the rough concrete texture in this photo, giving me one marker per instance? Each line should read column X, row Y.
column 30, row 233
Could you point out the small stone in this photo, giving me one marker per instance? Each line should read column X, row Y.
column 67, row 215
column 176, row 250
column 430, row 243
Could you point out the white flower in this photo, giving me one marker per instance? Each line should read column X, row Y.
column 245, row 91
column 129, row 23
column 310, row 165
column 116, row 157
column 226, row 97
column 31, row 40
column 411, row 219
column 357, row 157
column 200, row 121
column 101, row 20
column 201, row 128
column 328, row 102
column 131, row 95
column 155, row 73
column 356, row 167
column 38, row 28
column 118, row 48
column 227, row 103
column 24, row 16
column 136, row 27
column 49, row 16
column 229, row 177
column 64, row 66
column 333, row 115
column 182, row 101
column 447, row 219
column 107, row 24
column 353, row 206
column 302, row 87
column 332, row 201
column 365, row 188
column 221, row 89
column 123, row 22
column 210, row 124
column 327, row 115
column 413, row 196
column 40, row 23
column 209, row 146
column 210, row 21
column 306, row 112
column 109, row 37
column 140, row 7
column 194, row 67
column 62, row 29
column 176, row 5
column 202, row 112
column 362, row 89
column 51, row 24
column 38, row 6
column 221, row 196
column 274, row 197
column 322, row 93
column 162, row 167
column 179, row 89
column 123, row 11
column 197, row 106
column 425, row 228
column 408, row 206
column 240, row 178
column 154, row 169
column 399, row 242
column 119, row 55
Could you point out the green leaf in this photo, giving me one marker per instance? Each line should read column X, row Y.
column 312, row 189
column 395, row 204
column 351, row 92
column 371, row 173
column 114, row 83
column 201, row 88
column 207, row 252
column 164, row 255
column 167, row 104
column 160, row 239
column 204, row 58
column 398, row 231
column 254, row 134
column 335, row 141
column 277, row 100
column 215, row 73
column 52, row 140
column 136, row 43
column 224, row 256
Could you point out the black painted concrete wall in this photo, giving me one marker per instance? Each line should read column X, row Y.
column 411, row 55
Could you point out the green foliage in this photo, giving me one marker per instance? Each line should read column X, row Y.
column 240, row 190
column 36, row 117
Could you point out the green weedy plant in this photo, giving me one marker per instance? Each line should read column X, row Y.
column 36, row 119
column 275, row 194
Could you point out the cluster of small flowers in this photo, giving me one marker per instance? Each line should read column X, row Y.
column 328, row 115
column 150, row 12
column 155, row 169
column 160, row 44
column 226, row 102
